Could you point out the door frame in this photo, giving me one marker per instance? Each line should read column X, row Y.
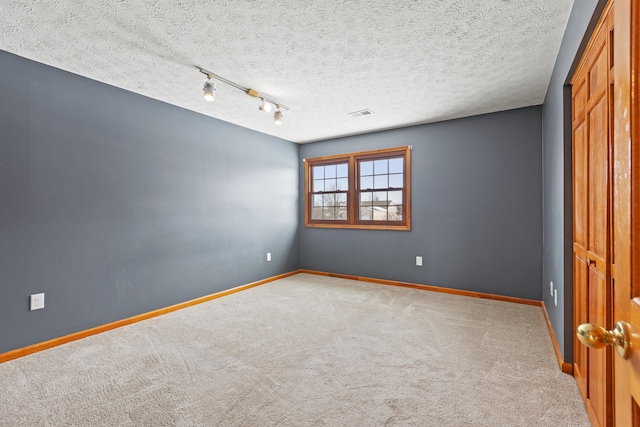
column 569, row 306
column 592, row 368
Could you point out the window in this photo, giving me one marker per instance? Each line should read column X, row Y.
column 369, row 189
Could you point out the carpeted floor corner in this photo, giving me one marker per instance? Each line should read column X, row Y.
column 305, row 351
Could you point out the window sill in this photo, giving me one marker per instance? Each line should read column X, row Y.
column 362, row 227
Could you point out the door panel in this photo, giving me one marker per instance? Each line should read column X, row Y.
column 580, row 185
column 598, row 178
column 579, row 100
column 599, row 70
column 581, row 303
column 598, row 394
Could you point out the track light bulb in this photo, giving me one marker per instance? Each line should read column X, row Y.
column 265, row 106
column 277, row 118
column 209, row 91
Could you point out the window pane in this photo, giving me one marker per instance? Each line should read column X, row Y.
column 343, row 170
column 342, row 213
column 343, row 184
column 330, row 184
column 328, row 213
column 330, row 171
column 366, row 183
column 395, row 197
column 366, row 214
column 395, row 181
column 380, row 198
column 366, row 168
column 335, row 199
column 329, row 200
column 318, row 185
column 317, row 199
column 381, row 181
column 318, row 172
column 380, row 167
column 316, row 213
column 379, row 213
column 396, row 165
column 365, row 199
column 393, row 213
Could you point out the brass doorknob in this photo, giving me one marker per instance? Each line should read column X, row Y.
column 594, row 336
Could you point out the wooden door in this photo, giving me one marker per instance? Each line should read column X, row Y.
column 592, row 250
column 621, row 374
column 626, row 207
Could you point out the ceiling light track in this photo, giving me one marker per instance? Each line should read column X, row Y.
column 209, row 94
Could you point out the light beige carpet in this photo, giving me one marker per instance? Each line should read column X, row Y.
column 305, row 351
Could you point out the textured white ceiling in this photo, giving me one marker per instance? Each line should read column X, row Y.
column 409, row 61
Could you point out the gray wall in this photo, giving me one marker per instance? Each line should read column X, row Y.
column 558, row 229
column 476, row 208
column 114, row 204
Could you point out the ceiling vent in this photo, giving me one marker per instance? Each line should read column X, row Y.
column 365, row 112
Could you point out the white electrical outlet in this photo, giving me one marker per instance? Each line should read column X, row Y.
column 37, row 302
column 268, row 256
column 419, row 261
column 551, row 287
column 555, row 297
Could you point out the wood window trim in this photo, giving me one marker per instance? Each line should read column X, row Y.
column 352, row 221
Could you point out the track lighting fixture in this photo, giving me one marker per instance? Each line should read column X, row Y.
column 209, row 91
column 266, row 105
column 277, row 117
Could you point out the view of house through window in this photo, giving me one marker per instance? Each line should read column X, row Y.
column 381, row 189
column 359, row 190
